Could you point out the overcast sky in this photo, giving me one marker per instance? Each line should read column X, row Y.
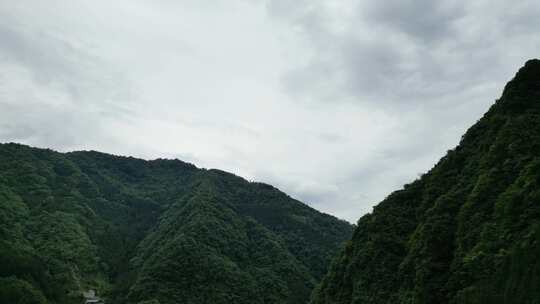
column 337, row 103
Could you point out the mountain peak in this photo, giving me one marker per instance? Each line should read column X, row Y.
column 523, row 91
column 531, row 69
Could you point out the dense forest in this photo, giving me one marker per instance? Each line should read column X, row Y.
column 165, row 231
column 468, row 231
column 160, row 231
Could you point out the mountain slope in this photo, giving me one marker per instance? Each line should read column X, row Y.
column 468, row 231
column 160, row 230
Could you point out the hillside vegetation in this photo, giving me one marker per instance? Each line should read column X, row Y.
column 468, row 231
column 161, row 231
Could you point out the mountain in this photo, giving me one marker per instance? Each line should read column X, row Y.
column 160, row 231
column 468, row 231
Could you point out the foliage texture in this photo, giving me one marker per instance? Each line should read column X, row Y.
column 160, row 231
column 468, row 231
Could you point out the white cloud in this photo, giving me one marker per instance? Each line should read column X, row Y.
column 336, row 103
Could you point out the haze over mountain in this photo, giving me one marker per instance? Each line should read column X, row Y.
column 468, row 231
column 162, row 230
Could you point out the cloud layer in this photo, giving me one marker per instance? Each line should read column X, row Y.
column 336, row 103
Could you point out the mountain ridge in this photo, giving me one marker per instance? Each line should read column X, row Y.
column 121, row 225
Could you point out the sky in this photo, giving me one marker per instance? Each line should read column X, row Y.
column 336, row 103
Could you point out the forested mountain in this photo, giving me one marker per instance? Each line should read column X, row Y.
column 161, row 231
column 468, row 231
